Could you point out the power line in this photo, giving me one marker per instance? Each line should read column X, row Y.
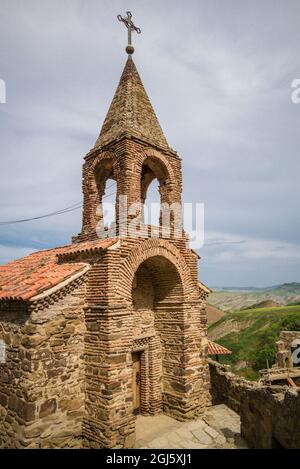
column 51, row 214
column 71, row 208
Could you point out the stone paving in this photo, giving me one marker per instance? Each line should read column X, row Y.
column 218, row 428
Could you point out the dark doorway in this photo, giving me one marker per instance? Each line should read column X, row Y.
column 136, row 381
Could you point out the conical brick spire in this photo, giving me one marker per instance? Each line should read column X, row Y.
column 131, row 113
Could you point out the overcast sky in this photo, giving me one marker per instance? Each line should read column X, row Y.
column 219, row 77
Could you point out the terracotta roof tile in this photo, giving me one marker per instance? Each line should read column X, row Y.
column 86, row 246
column 217, row 349
column 34, row 274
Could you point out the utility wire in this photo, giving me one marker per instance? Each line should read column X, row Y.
column 71, row 208
column 51, row 214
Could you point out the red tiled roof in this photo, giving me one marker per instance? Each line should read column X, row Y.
column 40, row 271
column 217, row 349
column 86, row 246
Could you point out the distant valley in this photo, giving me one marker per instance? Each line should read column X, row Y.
column 236, row 298
column 248, row 323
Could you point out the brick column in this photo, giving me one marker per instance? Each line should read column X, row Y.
column 185, row 371
column 109, row 422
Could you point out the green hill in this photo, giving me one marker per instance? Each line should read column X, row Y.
column 264, row 304
column 251, row 335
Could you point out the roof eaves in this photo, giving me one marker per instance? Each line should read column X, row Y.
column 62, row 284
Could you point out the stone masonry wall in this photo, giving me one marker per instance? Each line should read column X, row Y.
column 42, row 381
column 226, row 387
column 14, row 406
column 270, row 415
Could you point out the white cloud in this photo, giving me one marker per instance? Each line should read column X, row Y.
column 219, row 78
column 11, row 253
column 226, row 247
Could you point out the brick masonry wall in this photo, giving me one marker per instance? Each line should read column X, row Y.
column 270, row 415
column 165, row 321
column 173, row 332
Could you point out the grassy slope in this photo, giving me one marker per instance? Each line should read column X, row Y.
column 256, row 343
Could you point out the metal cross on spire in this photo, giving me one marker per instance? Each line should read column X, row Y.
column 130, row 27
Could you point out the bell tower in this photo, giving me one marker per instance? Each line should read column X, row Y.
column 133, row 151
column 145, row 310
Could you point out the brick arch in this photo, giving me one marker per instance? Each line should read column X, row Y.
column 155, row 154
column 156, row 248
column 163, row 165
column 100, row 159
column 149, row 165
column 93, row 187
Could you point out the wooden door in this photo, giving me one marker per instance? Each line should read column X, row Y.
column 136, row 381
